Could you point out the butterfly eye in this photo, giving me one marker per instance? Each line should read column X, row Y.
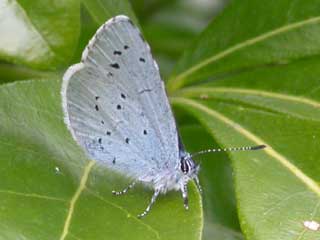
column 184, row 166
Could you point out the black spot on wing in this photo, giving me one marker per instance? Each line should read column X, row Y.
column 108, row 133
column 118, row 106
column 127, row 140
column 109, row 74
column 115, row 65
column 123, row 96
column 126, row 47
column 117, row 52
column 114, row 161
column 142, row 59
column 145, row 132
column 97, row 97
column 96, row 107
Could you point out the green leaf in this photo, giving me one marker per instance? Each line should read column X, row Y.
column 37, row 33
column 248, row 35
column 50, row 190
column 253, row 79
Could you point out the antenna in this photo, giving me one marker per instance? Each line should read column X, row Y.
column 231, row 149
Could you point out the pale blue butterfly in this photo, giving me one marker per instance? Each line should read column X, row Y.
column 117, row 110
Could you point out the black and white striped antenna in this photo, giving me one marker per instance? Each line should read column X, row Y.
column 231, row 149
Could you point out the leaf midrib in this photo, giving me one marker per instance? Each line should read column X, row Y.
column 175, row 82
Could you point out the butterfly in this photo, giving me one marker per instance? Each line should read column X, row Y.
column 116, row 108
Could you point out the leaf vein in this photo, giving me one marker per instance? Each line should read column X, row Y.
column 32, row 195
column 75, row 197
column 312, row 185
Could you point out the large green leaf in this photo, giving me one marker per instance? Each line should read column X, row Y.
column 50, row 190
column 252, row 78
column 39, row 34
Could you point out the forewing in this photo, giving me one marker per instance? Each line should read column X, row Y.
column 116, row 106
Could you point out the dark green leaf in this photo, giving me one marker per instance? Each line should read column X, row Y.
column 249, row 34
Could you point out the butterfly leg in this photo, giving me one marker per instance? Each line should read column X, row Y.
column 197, row 182
column 124, row 191
column 184, row 191
column 153, row 199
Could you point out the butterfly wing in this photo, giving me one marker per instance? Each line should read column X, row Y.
column 115, row 103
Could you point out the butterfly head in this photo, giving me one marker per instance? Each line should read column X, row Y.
column 189, row 170
column 188, row 167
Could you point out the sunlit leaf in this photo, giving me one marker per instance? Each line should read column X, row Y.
column 37, row 33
